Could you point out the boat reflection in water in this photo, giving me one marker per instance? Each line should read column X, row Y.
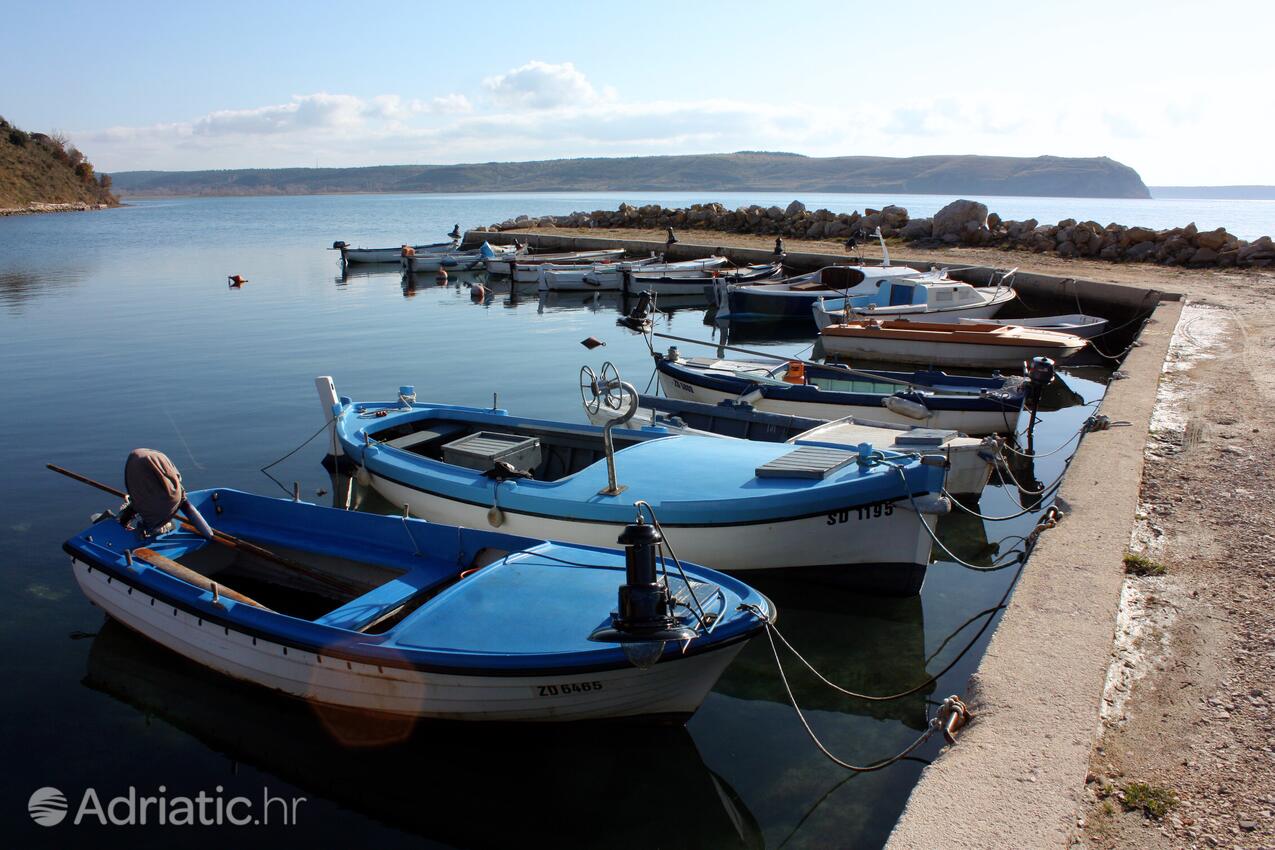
column 572, row 784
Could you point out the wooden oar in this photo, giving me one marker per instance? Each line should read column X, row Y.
column 224, row 539
column 189, row 576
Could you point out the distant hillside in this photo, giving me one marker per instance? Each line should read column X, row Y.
column 1216, row 193
column 40, row 169
column 1098, row 177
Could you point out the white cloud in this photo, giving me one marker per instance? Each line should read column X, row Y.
column 542, row 110
column 305, row 112
column 451, row 104
column 540, row 85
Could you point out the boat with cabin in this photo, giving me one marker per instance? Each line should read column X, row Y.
column 927, row 298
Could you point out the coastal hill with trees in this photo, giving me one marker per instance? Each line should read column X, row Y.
column 752, row 171
column 40, row 172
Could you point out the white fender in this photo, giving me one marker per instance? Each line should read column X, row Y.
column 906, row 407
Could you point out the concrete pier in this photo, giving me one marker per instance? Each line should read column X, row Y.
column 1016, row 776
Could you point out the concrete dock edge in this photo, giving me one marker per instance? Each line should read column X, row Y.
column 1016, row 775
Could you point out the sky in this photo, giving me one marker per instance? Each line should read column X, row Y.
column 1182, row 92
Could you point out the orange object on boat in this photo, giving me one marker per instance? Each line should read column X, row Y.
column 796, row 372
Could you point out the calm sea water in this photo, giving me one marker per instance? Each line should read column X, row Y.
column 117, row 330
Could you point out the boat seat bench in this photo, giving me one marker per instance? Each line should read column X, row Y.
column 359, row 612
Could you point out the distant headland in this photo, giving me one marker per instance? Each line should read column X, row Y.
column 46, row 173
column 751, row 171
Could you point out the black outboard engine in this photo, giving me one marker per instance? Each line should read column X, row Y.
column 644, row 620
column 639, row 317
column 455, row 234
column 156, row 494
column 1040, row 375
column 339, row 245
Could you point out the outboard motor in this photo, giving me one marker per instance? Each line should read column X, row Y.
column 339, row 245
column 455, row 234
column 640, row 316
column 1040, row 375
column 644, row 619
column 156, row 494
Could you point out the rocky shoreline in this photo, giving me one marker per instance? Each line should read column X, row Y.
column 36, row 207
column 960, row 223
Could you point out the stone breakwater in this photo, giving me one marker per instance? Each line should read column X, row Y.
column 35, row 207
column 961, row 222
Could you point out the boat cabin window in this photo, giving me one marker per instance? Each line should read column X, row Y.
column 901, row 295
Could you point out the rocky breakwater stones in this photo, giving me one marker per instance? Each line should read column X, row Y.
column 962, row 222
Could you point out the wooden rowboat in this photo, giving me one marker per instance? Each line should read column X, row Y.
column 973, row 344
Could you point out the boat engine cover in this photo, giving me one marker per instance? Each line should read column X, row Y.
column 154, row 486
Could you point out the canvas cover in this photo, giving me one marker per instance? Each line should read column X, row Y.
column 154, row 486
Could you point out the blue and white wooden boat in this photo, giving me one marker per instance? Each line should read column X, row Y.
column 924, row 299
column 974, row 406
column 790, row 299
column 969, row 459
column 407, row 617
column 856, row 518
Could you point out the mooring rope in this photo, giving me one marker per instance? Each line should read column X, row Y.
column 266, row 469
column 951, row 705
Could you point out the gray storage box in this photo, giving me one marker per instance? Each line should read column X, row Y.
column 481, row 451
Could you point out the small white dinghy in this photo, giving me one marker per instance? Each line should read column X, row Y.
column 1085, row 327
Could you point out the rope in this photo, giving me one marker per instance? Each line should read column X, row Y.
column 1019, row 557
column 266, row 469
column 951, row 705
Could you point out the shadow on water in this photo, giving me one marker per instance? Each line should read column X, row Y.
column 474, row 786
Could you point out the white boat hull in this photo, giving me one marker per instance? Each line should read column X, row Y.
column 823, row 318
column 970, row 355
column 377, row 255
column 974, row 422
column 887, row 548
column 671, row 688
